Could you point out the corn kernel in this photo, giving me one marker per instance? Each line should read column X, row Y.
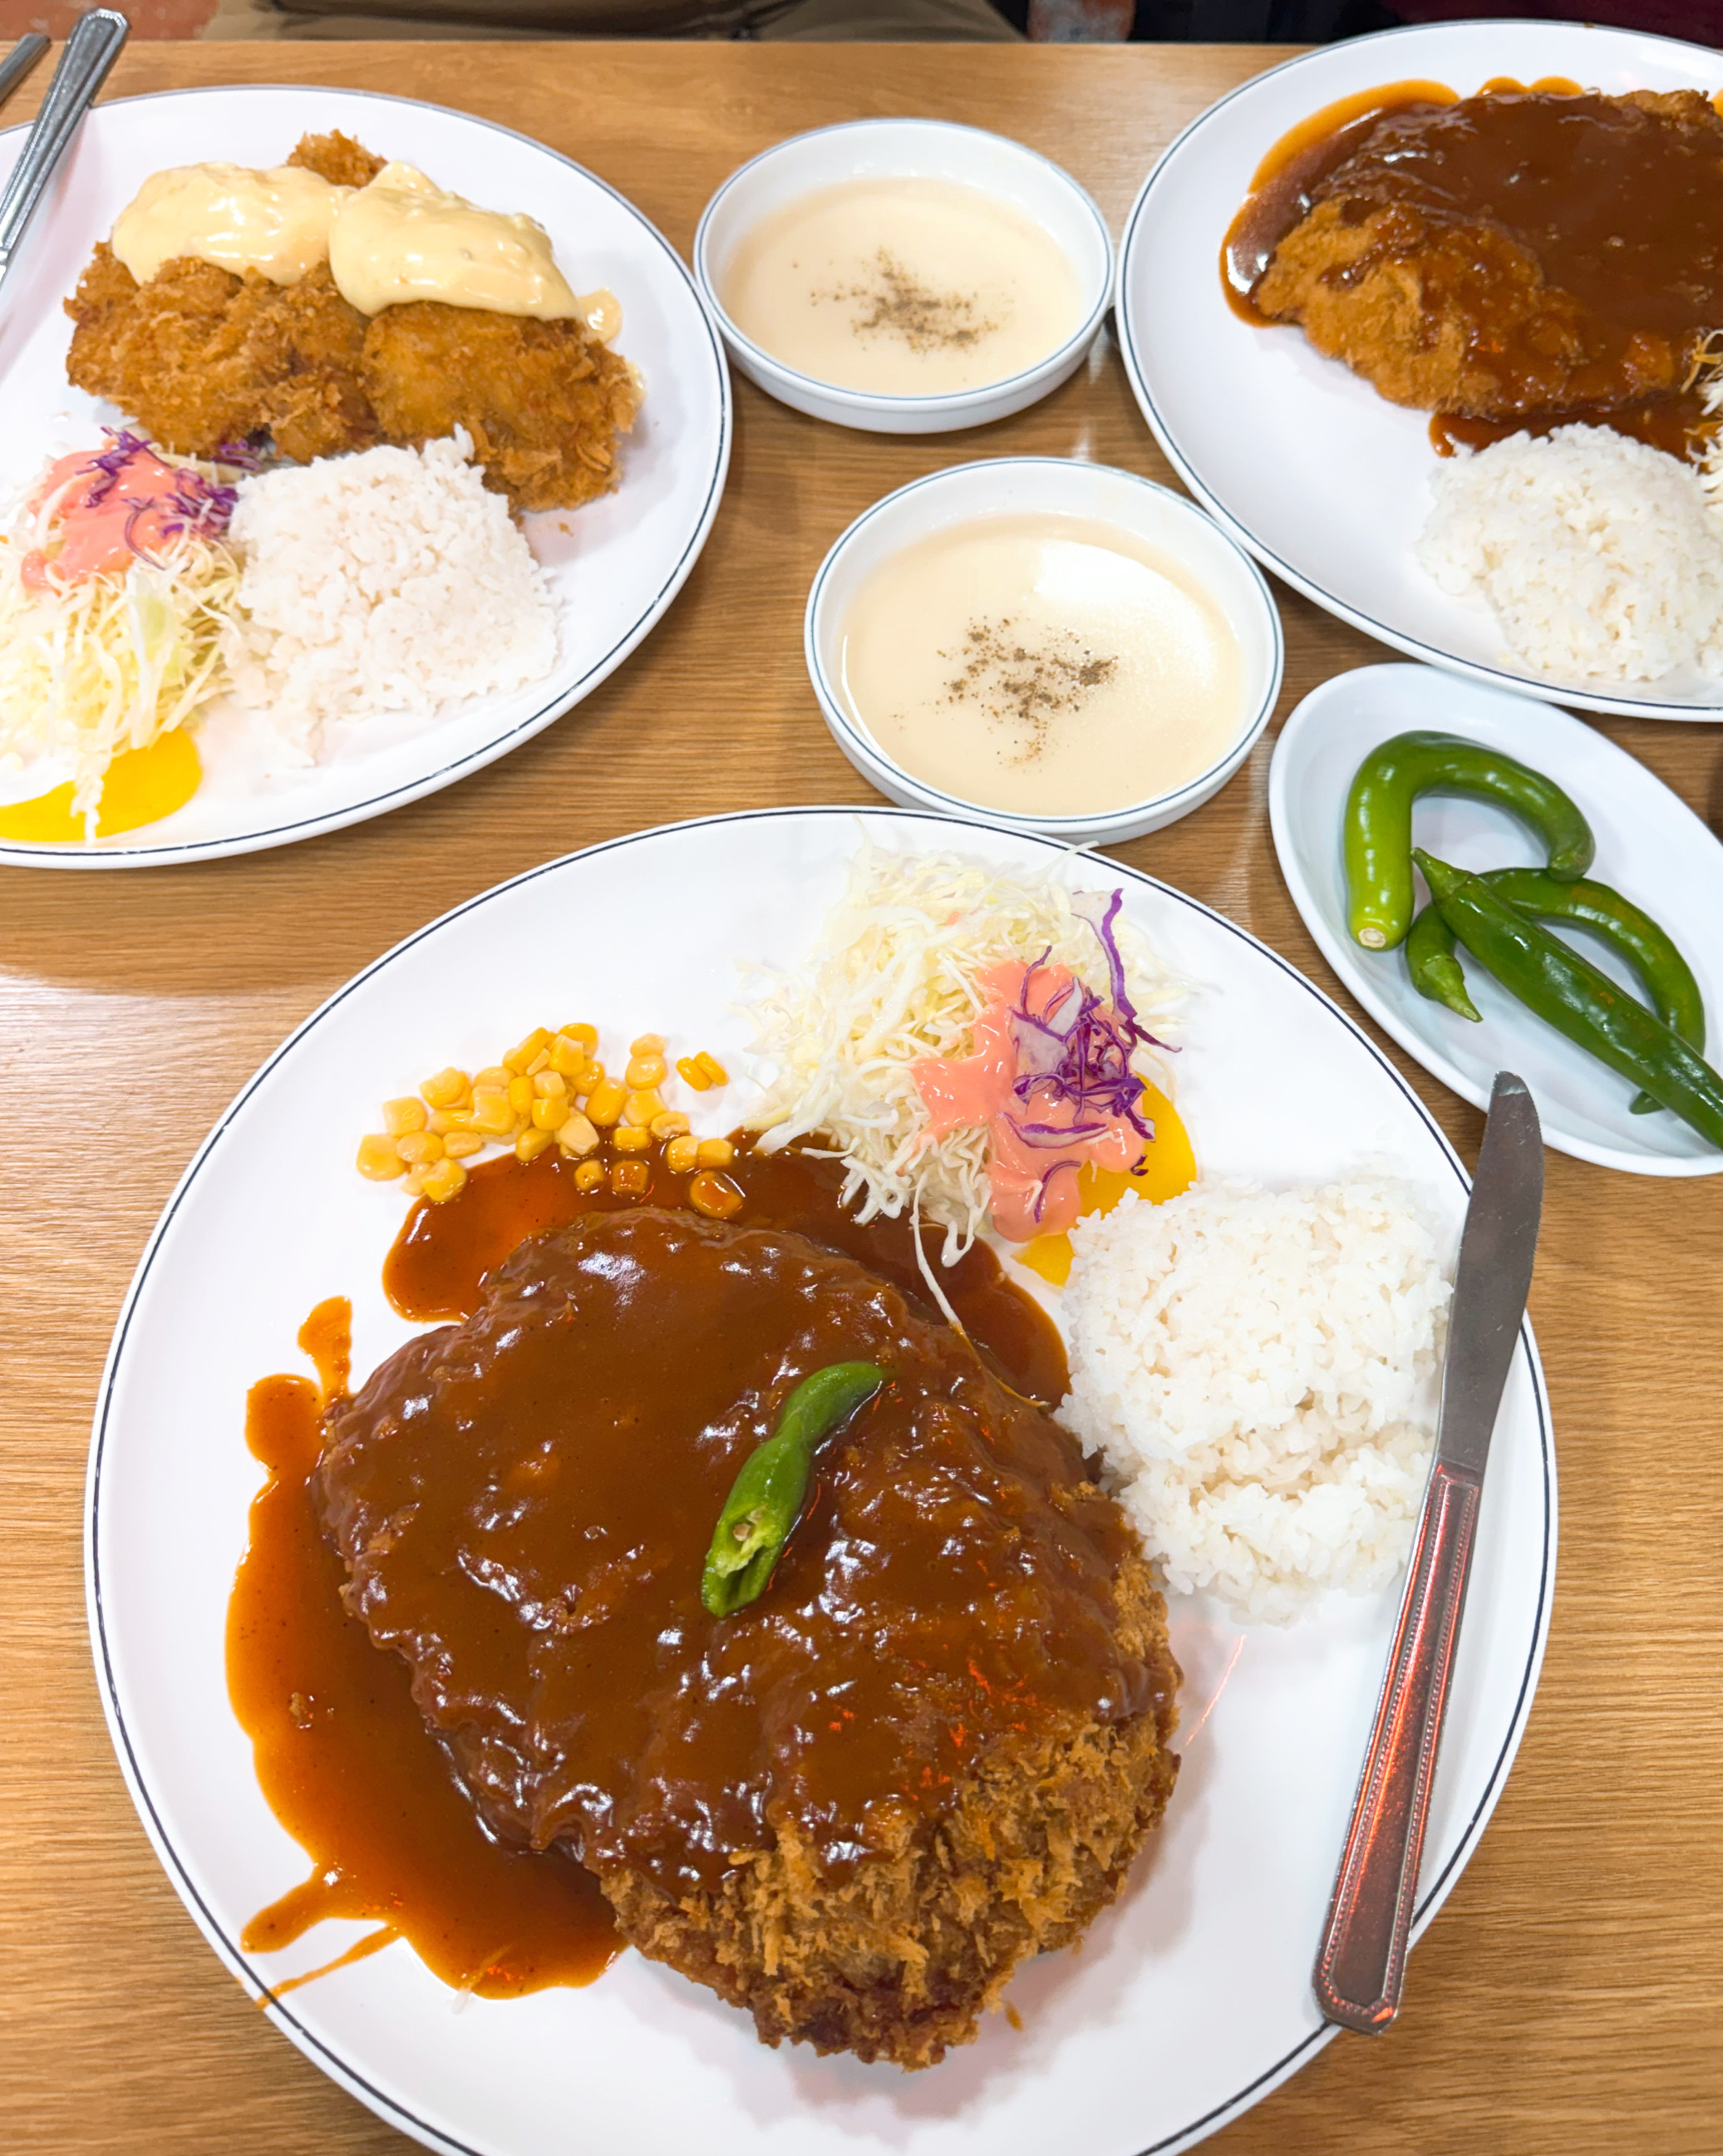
column 717, row 1152
column 531, row 1142
column 414, row 1182
column 648, row 1043
column 629, row 1178
column 605, row 1103
column 448, row 1089
column 550, row 1113
column 715, row 1195
column 641, row 1108
column 589, row 1175
column 631, row 1138
column 716, row 1074
column 419, row 1148
column 523, row 1052
column 681, row 1154
column 590, row 1079
column 443, row 1180
column 587, row 1035
column 400, row 1117
column 442, row 1121
column 461, row 1145
column 493, row 1078
column 378, row 1158
column 568, row 1056
column 577, row 1136
column 492, row 1115
column 644, row 1071
column 541, row 1061
column 521, row 1096
column 672, row 1124
column 689, row 1071
column 549, row 1085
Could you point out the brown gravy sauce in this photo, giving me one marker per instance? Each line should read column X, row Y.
column 340, row 1749
column 1283, row 185
column 1629, row 221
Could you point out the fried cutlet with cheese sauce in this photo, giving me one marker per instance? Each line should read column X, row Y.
column 1513, row 253
column 931, row 1747
column 200, row 357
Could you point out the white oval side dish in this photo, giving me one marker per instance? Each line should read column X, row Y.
column 1004, row 172
column 1145, row 516
column 1651, row 847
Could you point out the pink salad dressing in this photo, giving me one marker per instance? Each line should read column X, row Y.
column 1033, row 1172
column 116, row 504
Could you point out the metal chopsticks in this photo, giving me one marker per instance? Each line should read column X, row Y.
column 19, row 61
column 85, row 60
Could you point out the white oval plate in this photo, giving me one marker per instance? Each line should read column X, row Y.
column 1326, row 482
column 614, row 567
column 1651, row 847
column 1190, row 1997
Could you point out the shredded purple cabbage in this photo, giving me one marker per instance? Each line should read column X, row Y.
column 1080, row 1050
column 198, row 505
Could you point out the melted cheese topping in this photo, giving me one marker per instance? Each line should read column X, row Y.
column 404, row 238
column 276, row 222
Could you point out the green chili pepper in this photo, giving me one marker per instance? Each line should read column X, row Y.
column 1664, row 975
column 766, row 1497
column 1435, row 971
column 1577, row 998
column 1378, row 831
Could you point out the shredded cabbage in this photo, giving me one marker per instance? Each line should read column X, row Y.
column 894, row 979
column 93, row 667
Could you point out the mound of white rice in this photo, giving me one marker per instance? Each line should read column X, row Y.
column 1259, row 1369
column 1599, row 554
column 388, row 581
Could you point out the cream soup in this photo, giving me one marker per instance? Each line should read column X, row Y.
column 902, row 287
column 1043, row 665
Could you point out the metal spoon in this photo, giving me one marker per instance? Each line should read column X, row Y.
column 85, row 60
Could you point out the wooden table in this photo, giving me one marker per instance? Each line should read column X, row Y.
column 1568, row 1997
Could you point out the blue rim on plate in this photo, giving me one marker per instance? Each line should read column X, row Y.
column 282, row 2013
column 1431, row 655
column 863, row 399
column 22, row 853
column 973, row 812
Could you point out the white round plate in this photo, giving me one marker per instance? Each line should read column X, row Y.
column 1192, row 1997
column 1326, row 482
column 614, row 567
column 1651, row 847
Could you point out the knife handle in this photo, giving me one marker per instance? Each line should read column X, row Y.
column 1361, row 1963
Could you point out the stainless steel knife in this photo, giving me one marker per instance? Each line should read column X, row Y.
column 1362, row 1961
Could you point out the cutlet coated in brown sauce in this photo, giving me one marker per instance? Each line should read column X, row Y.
column 346, row 1761
column 341, row 1750
column 526, row 1506
column 1620, row 207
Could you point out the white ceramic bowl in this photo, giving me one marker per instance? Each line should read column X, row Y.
column 907, row 149
column 1004, row 486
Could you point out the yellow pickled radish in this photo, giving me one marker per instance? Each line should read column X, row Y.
column 143, row 785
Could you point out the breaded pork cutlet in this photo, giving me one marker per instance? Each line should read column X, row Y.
column 930, row 1748
column 200, row 357
column 1514, row 254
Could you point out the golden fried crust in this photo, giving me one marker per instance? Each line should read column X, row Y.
column 336, row 158
column 179, row 359
column 1417, row 308
column 199, row 356
column 898, row 1960
column 544, row 401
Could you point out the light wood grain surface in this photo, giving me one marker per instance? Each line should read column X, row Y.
column 1568, row 1998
